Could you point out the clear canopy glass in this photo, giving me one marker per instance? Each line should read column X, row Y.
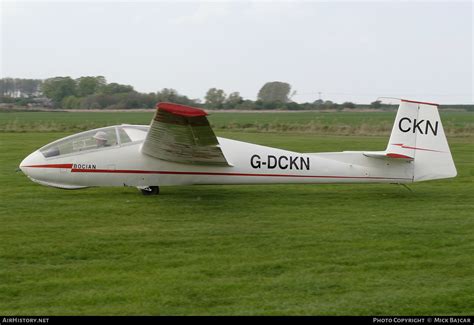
column 94, row 140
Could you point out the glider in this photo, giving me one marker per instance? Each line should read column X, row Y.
column 179, row 147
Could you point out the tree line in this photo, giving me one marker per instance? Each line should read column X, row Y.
column 16, row 87
column 93, row 92
column 89, row 92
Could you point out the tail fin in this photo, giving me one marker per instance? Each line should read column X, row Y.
column 418, row 134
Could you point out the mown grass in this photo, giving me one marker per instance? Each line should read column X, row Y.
column 324, row 123
column 246, row 250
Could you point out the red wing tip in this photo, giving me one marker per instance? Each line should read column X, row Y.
column 417, row 102
column 396, row 155
column 181, row 110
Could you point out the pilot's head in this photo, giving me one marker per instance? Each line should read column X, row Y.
column 100, row 138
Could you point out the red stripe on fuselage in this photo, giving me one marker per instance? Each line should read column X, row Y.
column 51, row 166
column 161, row 172
column 133, row 171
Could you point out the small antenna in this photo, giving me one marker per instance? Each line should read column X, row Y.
column 292, row 94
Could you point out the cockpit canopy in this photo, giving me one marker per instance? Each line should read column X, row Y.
column 97, row 139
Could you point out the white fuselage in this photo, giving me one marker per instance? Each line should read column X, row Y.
column 126, row 165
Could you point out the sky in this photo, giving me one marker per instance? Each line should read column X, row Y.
column 340, row 51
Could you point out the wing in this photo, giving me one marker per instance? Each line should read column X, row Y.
column 182, row 134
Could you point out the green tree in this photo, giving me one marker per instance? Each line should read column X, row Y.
column 8, row 87
column 89, row 85
column 3, row 87
column 246, row 105
column 275, row 91
column 233, row 100
column 376, row 104
column 115, row 88
column 318, row 102
column 172, row 96
column 71, row 102
column 330, row 105
column 58, row 88
column 17, row 87
column 167, row 95
column 348, row 105
column 215, row 98
column 30, row 87
column 150, row 100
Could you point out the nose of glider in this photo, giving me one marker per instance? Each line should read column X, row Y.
column 34, row 159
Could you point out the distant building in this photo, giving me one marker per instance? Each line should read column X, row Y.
column 41, row 102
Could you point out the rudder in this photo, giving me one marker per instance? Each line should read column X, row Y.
column 419, row 135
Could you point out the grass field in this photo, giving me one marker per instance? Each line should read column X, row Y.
column 300, row 249
column 334, row 123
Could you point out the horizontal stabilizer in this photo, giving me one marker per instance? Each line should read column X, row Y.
column 387, row 155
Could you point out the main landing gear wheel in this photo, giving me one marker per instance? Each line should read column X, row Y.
column 150, row 190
